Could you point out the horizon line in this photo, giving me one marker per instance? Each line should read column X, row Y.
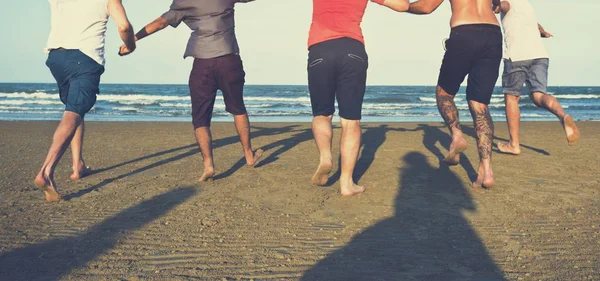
column 368, row 85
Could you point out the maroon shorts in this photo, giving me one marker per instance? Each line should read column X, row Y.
column 224, row 73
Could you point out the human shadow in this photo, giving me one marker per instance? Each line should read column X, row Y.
column 284, row 145
column 428, row 238
column 372, row 139
column 434, row 134
column 136, row 171
column 53, row 259
column 471, row 132
column 260, row 131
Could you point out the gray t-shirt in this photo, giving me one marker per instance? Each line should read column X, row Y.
column 212, row 23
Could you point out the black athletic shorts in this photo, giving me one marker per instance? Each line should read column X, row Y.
column 337, row 69
column 474, row 49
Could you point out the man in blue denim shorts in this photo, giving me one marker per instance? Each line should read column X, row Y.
column 526, row 62
column 76, row 59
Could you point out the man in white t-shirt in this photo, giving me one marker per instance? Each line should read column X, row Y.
column 526, row 62
column 75, row 51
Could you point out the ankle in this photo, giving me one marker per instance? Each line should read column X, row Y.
column 326, row 160
column 209, row 165
column 457, row 134
column 346, row 181
column 78, row 165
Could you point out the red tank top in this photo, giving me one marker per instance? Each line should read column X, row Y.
column 334, row 19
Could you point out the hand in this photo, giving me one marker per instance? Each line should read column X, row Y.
column 546, row 34
column 497, row 9
column 123, row 50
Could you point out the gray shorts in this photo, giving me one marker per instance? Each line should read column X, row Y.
column 533, row 72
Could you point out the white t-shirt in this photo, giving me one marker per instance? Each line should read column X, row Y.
column 522, row 40
column 79, row 24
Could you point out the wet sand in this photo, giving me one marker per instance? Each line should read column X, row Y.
column 144, row 216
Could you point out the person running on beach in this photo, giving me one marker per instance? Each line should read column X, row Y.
column 337, row 68
column 217, row 66
column 75, row 51
column 526, row 61
column 474, row 48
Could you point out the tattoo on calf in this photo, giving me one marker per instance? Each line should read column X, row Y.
column 448, row 111
column 484, row 130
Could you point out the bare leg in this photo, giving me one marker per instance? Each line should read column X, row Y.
column 447, row 108
column 513, row 117
column 242, row 125
column 350, row 145
column 80, row 170
column 551, row 104
column 62, row 137
column 204, row 139
column 484, row 131
column 323, row 132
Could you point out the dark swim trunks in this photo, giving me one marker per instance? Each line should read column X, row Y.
column 78, row 79
column 476, row 50
column 337, row 68
column 225, row 73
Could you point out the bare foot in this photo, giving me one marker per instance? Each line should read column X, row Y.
column 484, row 179
column 508, row 148
column 207, row 175
column 351, row 190
column 570, row 129
column 456, row 148
column 81, row 173
column 322, row 174
column 47, row 186
column 255, row 157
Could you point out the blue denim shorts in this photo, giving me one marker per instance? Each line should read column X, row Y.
column 534, row 73
column 78, row 79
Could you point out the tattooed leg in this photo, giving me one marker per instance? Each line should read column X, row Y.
column 447, row 108
column 484, row 132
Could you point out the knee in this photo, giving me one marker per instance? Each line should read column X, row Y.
column 511, row 98
column 439, row 91
column 478, row 107
column 349, row 123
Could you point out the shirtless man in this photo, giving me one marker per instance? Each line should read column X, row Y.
column 474, row 48
column 337, row 69
column 76, row 59
column 217, row 66
column 526, row 61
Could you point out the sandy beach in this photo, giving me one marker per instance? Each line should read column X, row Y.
column 144, row 216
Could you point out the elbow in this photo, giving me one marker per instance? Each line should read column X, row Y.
column 125, row 28
column 428, row 10
column 404, row 7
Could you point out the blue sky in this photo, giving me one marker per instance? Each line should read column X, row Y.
column 403, row 49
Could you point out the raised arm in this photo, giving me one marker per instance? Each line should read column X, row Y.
column 117, row 13
column 543, row 32
column 157, row 25
column 396, row 5
column 424, row 7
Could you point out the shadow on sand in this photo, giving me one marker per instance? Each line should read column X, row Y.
column 55, row 258
column 193, row 149
column 428, row 238
column 372, row 139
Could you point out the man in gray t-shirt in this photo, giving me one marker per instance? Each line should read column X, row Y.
column 217, row 66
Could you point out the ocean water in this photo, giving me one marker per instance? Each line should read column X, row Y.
column 269, row 103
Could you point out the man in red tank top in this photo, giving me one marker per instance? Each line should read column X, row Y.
column 337, row 69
